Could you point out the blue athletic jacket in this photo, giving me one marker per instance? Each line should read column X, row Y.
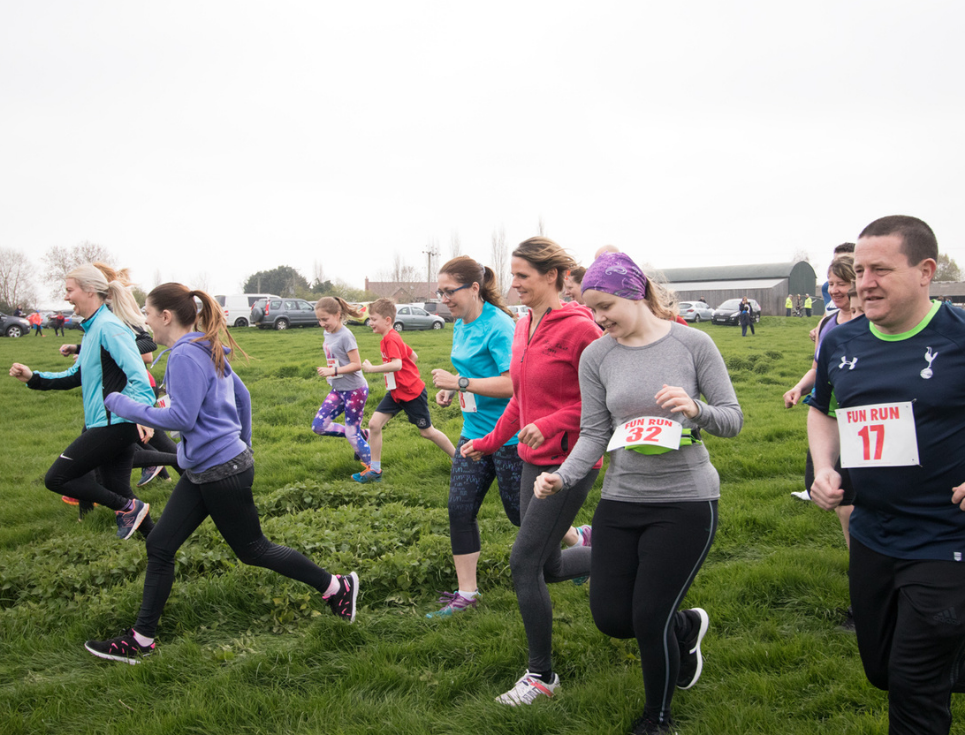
column 108, row 363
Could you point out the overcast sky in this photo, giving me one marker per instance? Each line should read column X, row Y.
column 203, row 141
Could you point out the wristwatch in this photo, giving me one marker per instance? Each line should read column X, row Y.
column 463, row 384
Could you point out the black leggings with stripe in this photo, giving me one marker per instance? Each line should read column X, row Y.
column 645, row 557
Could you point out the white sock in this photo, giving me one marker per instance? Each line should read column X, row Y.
column 334, row 586
column 468, row 595
column 142, row 640
column 376, row 466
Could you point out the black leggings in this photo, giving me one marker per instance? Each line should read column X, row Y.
column 159, row 451
column 645, row 556
column 232, row 508
column 536, row 558
column 108, row 449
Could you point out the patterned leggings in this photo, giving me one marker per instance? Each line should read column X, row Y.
column 352, row 403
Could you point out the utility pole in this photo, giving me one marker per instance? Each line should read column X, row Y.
column 430, row 252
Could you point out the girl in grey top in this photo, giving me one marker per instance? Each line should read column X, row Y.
column 343, row 371
column 656, row 521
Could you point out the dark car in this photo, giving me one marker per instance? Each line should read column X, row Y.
column 13, row 326
column 729, row 312
column 440, row 309
column 283, row 313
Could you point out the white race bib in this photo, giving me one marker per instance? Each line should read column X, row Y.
column 467, row 402
column 332, row 363
column 652, row 431
column 389, row 381
column 882, row 435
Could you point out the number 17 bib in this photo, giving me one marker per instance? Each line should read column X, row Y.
column 882, row 435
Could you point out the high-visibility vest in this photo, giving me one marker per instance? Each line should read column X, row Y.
column 788, row 304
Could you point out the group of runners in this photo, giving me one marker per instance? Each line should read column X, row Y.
column 542, row 401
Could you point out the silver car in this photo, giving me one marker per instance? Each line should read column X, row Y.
column 695, row 311
column 415, row 317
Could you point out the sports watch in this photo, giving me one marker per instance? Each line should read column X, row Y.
column 463, row 384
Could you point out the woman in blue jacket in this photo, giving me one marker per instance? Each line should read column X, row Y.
column 212, row 410
column 109, row 363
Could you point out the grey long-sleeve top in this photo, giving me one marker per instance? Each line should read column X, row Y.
column 618, row 383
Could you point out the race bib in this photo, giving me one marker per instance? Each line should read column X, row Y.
column 389, row 381
column 467, row 402
column 647, row 431
column 878, row 436
column 332, row 363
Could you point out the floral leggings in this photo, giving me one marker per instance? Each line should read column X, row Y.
column 352, row 403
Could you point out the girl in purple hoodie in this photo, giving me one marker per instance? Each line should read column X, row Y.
column 212, row 410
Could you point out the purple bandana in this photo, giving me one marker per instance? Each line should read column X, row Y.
column 617, row 274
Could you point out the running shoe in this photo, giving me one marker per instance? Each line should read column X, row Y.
column 691, row 660
column 646, row 725
column 528, row 689
column 148, row 474
column 343, row 601
column 848, row 625
column 70, row 501
column 453, row 603
column 164, row 476
column 127, row 522
column 365, row 435
column 83, row 508
column 123, row 648
column 368, row 475
column 585, row 533
column 803, row 495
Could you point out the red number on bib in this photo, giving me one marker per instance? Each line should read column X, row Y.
column 654, row 433
column 865, row 434
column 634, row 434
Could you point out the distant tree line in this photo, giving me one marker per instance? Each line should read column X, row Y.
column 287, row 281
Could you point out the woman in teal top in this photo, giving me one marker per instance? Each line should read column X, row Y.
column 482, row 346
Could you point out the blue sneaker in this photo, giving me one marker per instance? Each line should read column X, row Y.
column 148, row 474
column 453, row 603
column 368, row 475
column 127, row 522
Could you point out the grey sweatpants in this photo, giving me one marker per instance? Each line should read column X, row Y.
column 537, row 559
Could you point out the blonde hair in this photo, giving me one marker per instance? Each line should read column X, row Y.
column 338, row 306
column 92, row 279
column 545, row 255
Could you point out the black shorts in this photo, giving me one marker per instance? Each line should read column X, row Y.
column 417, row 410
column 846, row 485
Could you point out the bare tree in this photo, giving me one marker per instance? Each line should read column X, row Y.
column 401, row 271
column 59, row 261
column 202, row 282
column 16, row 279
column 318, row 273
column 455, row 245
column 800, row 256
column 158, row 280
column 500, row 259
column 541, row 227
column 948, row 269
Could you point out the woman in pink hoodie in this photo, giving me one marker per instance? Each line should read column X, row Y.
column 545, row 410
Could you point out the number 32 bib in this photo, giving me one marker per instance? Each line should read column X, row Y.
column 882, row 435
column 652, row 434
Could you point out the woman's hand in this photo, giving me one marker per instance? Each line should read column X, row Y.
column 21, row 372
column 444, row 379
column 531, row 436
column 444, row 397
column 326, row 372
column 677, row 400
column 467, row 451
column 68, row 350
column 145, row 433
column 792, row 397
column 547, row 483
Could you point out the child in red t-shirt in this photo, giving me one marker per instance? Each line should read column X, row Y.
column 405, row 390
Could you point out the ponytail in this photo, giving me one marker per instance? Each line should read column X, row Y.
column 338, row 306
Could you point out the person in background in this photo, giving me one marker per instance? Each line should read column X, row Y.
column 36, row 322
column 746, row 317
column 57, row 321
column 572, row 283
column 788, row 305
column 807, row 304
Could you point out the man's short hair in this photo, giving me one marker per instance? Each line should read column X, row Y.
column 917, row 239
column 845, row 247
column 383, row 307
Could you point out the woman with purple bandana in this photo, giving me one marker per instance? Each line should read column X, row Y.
column 641, row 385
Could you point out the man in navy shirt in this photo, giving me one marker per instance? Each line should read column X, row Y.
column 895, row 383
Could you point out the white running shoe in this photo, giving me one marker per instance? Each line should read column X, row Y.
column 528, row 688
column 803, row 495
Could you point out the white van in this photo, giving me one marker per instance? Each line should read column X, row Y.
column 237, row 307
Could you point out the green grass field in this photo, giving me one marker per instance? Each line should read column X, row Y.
column 241, row 650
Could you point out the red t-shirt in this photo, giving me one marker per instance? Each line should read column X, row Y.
column 408, row 384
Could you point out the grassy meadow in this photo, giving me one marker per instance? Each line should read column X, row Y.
column 242, row 650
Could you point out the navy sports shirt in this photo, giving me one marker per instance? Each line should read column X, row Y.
column 905, row 512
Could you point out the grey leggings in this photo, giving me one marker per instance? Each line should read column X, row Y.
column 537, row 559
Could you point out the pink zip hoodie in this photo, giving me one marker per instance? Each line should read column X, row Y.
column 546, row 385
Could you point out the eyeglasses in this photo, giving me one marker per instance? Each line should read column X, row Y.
column 446, row 294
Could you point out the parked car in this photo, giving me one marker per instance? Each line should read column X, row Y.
column 729, row 311
column 278, row 313
column 13, row 326
column 415, row 317
column 238, row 306
column 519, row 311
column 695, row 311
column 439, row 309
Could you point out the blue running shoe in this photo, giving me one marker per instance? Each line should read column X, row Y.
column 453, row 603
column 368, row 475
column 127, row 522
